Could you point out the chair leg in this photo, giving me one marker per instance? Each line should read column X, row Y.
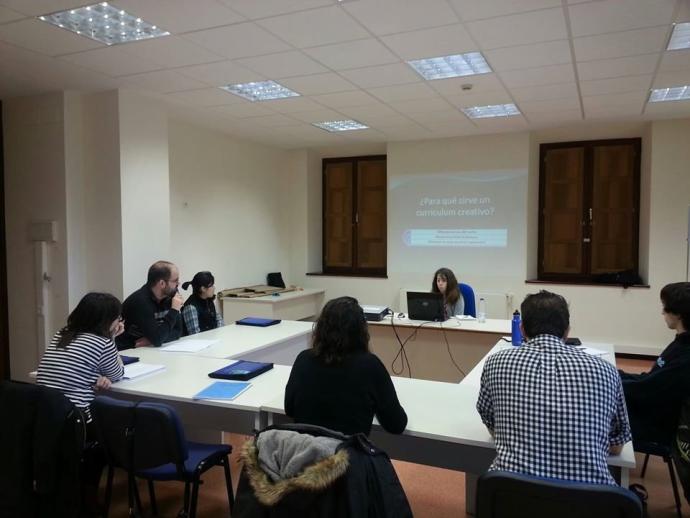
column 152, row 498
column 195, row 497
column 228, row 483
column 133, row 496
column 185, row 508
column 644, row 465
column 674, row 484
column 108, row 491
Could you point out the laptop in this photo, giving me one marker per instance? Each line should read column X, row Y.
column 426, row 306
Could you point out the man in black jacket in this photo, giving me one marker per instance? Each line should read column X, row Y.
column 152, row 313
column 654, row 398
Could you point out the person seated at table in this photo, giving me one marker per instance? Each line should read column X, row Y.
column 554, row 411
column 82, row 356
column 446, row 284
column 199, row 311
column 654, row 398
column 338, row 383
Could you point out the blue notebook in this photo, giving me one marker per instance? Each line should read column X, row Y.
column 242, row 370
column 258, row 322
column 126, row 360
column 228, row 390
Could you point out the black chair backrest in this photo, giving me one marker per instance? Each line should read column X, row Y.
column 275, row 279
column 138, row 436
column 513, row 495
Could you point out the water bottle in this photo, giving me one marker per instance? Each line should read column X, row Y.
column 481, row 314
column 516, row 335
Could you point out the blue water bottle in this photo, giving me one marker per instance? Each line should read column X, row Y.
column 516, row 335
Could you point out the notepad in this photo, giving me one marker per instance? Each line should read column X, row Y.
column 227, row 390
column 193, row 345
column 592, row 350
column 136, row 370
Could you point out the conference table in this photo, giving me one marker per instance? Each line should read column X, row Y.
column 444, row 429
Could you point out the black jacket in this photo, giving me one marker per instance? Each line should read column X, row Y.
column 359, row 481
column 654, row 398
column 41, row 442
column 205, row 311
column 145, row 317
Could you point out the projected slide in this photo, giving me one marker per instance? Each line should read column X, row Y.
column 471, row 219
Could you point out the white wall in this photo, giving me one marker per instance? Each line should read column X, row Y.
column 228, row 207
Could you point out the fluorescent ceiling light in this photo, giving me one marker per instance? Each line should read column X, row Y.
column 105, row 23
column 457, row 65
column 260, row 91
column 492, row 110
column 677, row 93
column 344, row 125
column 680, row 37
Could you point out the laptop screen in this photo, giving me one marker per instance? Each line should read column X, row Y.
column 423, row 305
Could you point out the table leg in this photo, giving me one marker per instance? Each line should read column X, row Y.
column 471, row 493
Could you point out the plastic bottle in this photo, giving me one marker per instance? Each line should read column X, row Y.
column 516, row 335
column 481, row 313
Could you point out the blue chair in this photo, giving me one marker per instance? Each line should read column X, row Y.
column 501, row 494
column 468, row 295
column 663, row 451
column 147, row 440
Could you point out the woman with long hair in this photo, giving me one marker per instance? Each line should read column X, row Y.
column 446, row 284
column 199, row 311
column 338, row 383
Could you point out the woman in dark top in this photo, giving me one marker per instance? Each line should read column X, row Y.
column 338, row 383
column 199, row 312
column 445, row 283
column 654, row 398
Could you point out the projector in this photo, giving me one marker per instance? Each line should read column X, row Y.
column 375, row 313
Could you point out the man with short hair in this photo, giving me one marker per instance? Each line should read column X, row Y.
column 554, row 410
column 152, row 313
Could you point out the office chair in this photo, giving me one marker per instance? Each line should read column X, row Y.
column 147, row 440
column 468, row 295
column 663, row 451
column 501, row 494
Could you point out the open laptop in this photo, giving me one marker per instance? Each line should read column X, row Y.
column 423, row 305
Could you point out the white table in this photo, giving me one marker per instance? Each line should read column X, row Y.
column 445, row 430
column 430, row 346
column 290, row 305
column 279, row 344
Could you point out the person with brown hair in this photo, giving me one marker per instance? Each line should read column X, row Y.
column 446, row 284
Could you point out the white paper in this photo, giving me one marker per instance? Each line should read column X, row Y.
column 138, row 369
column 592, row 350
column 193, row 345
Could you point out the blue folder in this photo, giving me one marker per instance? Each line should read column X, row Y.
column 258, row 322
column 228, row 390
column 126, row 360
column 242, row 370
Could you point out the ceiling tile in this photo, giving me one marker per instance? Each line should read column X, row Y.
column 403, row 92
column 317, row 115
column 550, row 75
column 480, row 83
column 611, row 103
column 507, row 31
column 421, row 105
column 8, row 15
column 244, row 109
column 529, row 56
column 171, row 51
column 315, row 27
column 220, row 73
column 112, row 61
column 284, row 64
column 473, row 10
column 238, row 41
column 675, row 60
column 206, row 97
column 499, row 124
column 544, row 92
column 162, row 81
column 616, row 85
column 428, row 119
column 619, row 15
column 620, row 44
column 467, row 99
column 389, row 16
column 569, row 103
column 42, row 37
column 36, row 7
column 409, row 132
column 383, row 75
column 380, row 122
column 318, row 84
column 668, row 79
column 554, row 117
column 277, row 120
column 616, row 67
column 353, row 54
column 177, row 16
column 263, row 8
column 294, row 105
column 371, row 112
column 344, row 99
column 428, row 43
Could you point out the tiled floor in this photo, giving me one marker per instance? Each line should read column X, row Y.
column 432, row 492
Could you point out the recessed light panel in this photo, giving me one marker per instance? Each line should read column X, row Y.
column 344, row 125
column 260, row 91
column 457, row 65
column 105, row 23
column 680, row 37
column 677, row 93
column 492, row 110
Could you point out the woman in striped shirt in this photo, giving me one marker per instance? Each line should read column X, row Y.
column 82, row 356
